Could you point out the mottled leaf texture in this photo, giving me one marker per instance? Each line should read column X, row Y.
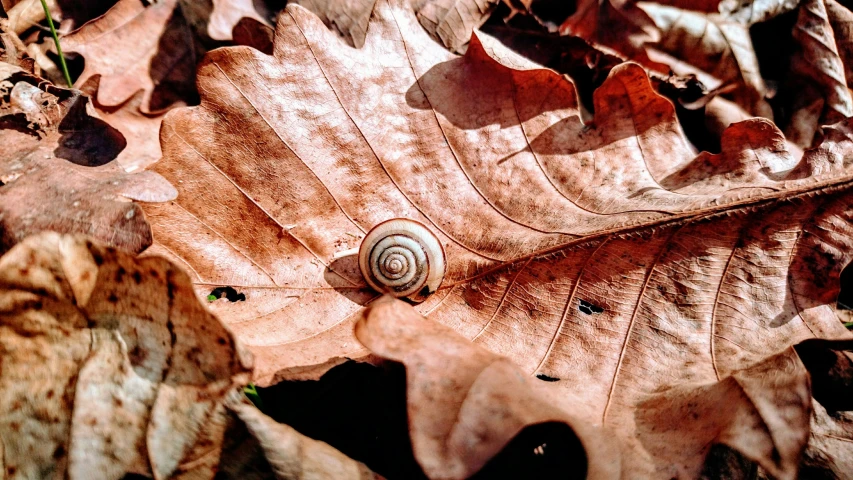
column 606, row 256
column 137, row 46
column 450, row 22
column 56, row 171
column 110, row 365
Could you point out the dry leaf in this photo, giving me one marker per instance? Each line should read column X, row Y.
column 135, row 46
column 717, row 46
column 252, row 33
column 227, row 13
column 110, row 365
column 140, row 130
column 453, row 21
column 347, row 17
column 750, row 12
column 617, row 24
column 54, row 170
column 841, row 21
column 484, row 399
column 450, row 22
column 762, row 411
column 818, row 61
column 605, row 255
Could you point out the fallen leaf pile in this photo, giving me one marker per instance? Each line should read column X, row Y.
column 637, row 219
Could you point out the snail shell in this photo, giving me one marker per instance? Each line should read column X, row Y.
column 403, row 258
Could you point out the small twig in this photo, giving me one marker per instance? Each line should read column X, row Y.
column 56, row 41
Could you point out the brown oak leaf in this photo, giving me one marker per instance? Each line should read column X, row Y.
column 451, row 22
column 141, row 130
column 762, row 411
column 227, row 14
column 56, row 171
column 607, row 256
column 110, row 365
column 137, row 46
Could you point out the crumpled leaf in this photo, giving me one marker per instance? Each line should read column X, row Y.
column 450, row 22
column 12, row 49
column 110, row 365
column 818, row 61
column 605, row 256
column 136, row 46
column 56, row 172
column 289, row 455
column 719, row 47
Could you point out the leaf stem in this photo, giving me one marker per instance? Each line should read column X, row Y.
column 56, row 41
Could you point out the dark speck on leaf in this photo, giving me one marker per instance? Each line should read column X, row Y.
column 546, row 378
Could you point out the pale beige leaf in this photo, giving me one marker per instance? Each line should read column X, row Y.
column 110, row 365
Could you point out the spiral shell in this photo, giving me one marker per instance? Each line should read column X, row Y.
column 403, row 258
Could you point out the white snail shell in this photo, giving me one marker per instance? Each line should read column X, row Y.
column 403, row 258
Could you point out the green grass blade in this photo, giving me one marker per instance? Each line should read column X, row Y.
column 251, row 391
column 56, row 41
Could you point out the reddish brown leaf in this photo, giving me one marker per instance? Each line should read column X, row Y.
column 135, row 46
column 485, row 399
column 607, row 255
column 818, row 60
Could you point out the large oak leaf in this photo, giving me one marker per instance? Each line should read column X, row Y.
column 607, row 257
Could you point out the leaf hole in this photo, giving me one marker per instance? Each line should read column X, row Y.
column 546, row 378
column 589, row 308
column 229, row 292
